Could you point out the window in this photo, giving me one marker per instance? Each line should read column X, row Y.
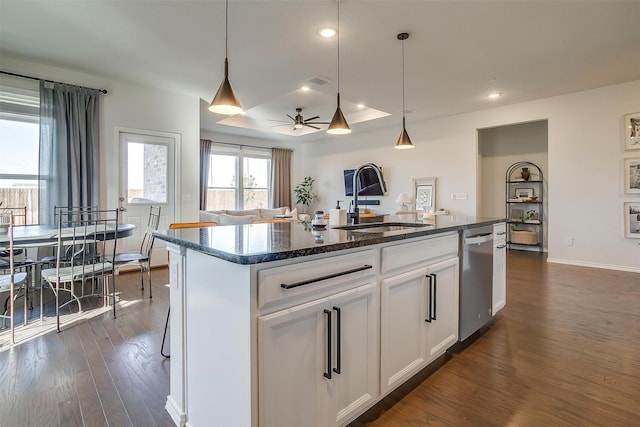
column 19, row 145
column 226, row 191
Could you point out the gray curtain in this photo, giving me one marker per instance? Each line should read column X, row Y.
column 69, row 148
column 205, row 154
column 280, row 177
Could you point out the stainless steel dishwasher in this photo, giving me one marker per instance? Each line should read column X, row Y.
column 476, row 279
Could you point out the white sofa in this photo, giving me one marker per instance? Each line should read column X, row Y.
column 247, row 216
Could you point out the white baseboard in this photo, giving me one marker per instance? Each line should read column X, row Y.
column 178, row 417
column 594, row 265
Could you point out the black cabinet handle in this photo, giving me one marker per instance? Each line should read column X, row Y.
column 338, row 339
column 328, row 373
column 428, row 319
column 329, row 276
column 501, row 246
column 435, row 294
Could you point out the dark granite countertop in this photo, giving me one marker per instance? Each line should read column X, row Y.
column 257, row 243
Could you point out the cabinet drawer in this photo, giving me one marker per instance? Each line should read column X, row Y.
column 420, row 252
column 306, row 280
column 499, row 233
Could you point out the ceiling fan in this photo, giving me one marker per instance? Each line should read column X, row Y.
column 299, row 122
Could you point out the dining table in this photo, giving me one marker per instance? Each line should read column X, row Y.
column 34, row 235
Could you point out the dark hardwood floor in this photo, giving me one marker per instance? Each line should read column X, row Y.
column 565, row 351
column 97, row 372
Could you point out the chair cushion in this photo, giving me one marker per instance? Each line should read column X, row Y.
column 5, row 281
column 130, row 257
column 225, row 219
column 78, row 272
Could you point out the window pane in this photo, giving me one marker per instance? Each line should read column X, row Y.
column 256, row 172
column 21, row 140
column 218, row 199
column 147, row 172
column 222, row 171
column 256, row 198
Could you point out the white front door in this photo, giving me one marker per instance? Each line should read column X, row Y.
column 147, row 171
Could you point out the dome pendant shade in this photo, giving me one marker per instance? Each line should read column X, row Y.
column 338, row 125
column 404, row 142
column 225, row 102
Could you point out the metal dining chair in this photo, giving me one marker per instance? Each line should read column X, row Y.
column 11, row 284
column 84, row 255
column 178, row 226
column 142, row 259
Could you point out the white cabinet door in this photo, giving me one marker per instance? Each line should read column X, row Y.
column 442, row 330
column 317, row 361
column 292, row 358
column 354, row 383
column 403, row 314
column 499, row 277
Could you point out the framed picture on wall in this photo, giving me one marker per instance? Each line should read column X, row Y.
column 632, row 175
column 632, row 131
column 632, row 220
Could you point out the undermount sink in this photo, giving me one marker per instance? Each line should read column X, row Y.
column 382, row 227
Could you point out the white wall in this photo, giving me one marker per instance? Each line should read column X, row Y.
column 586, row 153
column 132, row 106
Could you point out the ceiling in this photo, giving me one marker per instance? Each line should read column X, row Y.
column 457, row 53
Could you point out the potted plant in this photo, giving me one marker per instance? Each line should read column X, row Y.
column 303, row 193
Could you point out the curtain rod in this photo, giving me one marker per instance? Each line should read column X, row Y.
column 247, row 145
column 49, row 81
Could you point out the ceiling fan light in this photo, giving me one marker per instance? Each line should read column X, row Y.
column 297, row 126
column 225, row 102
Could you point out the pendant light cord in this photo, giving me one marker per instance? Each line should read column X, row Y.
column 403, row 109
column 226, row 29
column 338, row 46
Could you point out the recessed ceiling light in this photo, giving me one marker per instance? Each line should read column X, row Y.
column 361, row 106
column 327, row 32
column 244, row 113
column 494, row 95
column 305, row 88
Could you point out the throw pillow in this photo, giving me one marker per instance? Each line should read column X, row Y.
column 293, row 213
column 224, row 219
column 208, row 216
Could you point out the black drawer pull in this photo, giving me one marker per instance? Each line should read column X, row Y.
column 327, row 374
column 329, row 276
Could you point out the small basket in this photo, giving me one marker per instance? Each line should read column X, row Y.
column 524, row 237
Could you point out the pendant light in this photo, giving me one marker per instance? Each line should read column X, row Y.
column 404, row 142
column 338, row 125
column 226, row 101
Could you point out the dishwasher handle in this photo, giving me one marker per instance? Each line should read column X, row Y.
column 478, row 239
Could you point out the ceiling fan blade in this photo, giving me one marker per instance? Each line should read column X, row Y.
column 291, row 118
column 311, row 126
column 312, row 118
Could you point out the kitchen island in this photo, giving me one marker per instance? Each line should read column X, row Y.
column 284, row 325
